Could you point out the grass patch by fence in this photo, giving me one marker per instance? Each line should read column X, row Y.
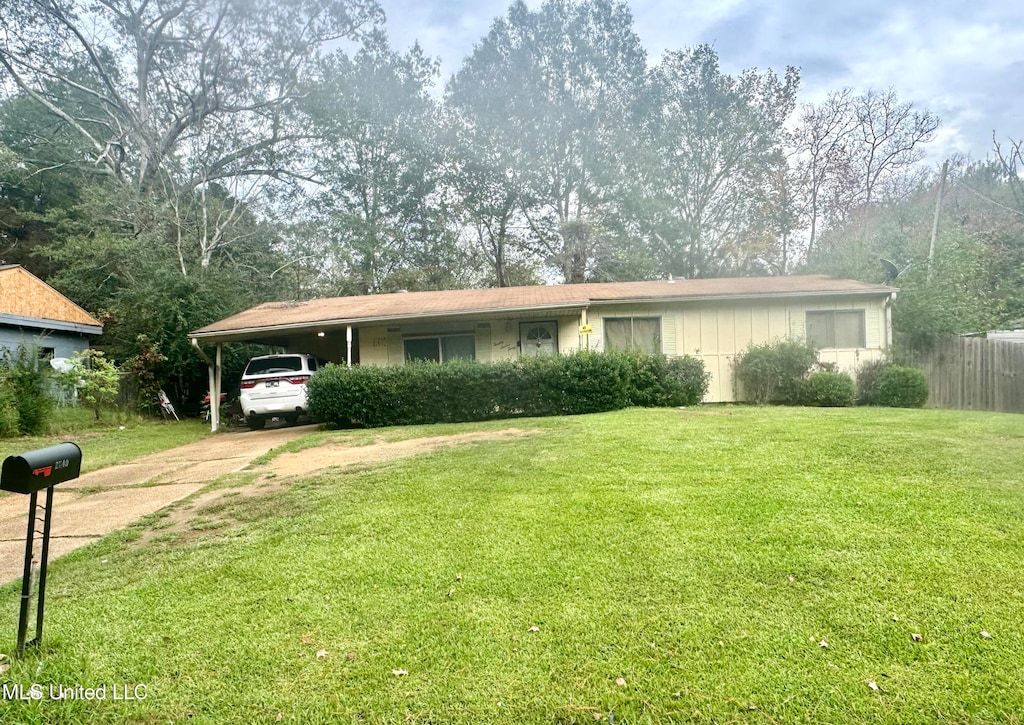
column 677, row 566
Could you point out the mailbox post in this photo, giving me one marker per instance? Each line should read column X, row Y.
column 30, row 473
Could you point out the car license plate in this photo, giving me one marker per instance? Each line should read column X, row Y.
column 271, row 383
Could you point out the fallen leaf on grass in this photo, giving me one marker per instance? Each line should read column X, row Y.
column 620, row 681
column 872, row 684
column 4, row 668
column 450, row 592
column 985, row 635
column 321, row 654
column 597, row 716
column 916, row 637
column 279, row 718
column 823, row 644
column 307, row 639
column 399, row 673
column 534, row 628
column 458, row 577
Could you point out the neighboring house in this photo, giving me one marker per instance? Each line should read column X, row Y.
column 34, row 313
column 713, row 319
column 1013, row 333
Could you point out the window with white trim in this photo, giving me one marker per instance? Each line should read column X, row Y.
column 835, row 329
column 642, row 334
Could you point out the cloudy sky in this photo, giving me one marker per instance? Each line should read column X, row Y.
column 962, row 60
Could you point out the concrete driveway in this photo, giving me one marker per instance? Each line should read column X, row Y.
column 109, row 499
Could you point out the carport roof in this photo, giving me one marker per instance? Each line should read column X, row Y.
column 273, row 317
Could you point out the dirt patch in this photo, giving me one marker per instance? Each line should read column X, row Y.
column 321, row 458
column 210, row 512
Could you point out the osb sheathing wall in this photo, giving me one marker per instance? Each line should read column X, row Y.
column 24, row 294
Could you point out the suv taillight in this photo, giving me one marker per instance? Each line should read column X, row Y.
column 248, row 384
column 297, row 379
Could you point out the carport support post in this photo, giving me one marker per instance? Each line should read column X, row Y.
column 215, row 393
column 348, row 342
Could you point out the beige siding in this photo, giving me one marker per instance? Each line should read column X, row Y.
column 373, row 346
column 483, row 342
column 568, row 334
column 717, row 332
column 504, row 339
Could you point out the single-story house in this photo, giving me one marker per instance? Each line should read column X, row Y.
column 34, row 313
column 713, row 319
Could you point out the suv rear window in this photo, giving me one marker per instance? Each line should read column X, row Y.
column 285, row 364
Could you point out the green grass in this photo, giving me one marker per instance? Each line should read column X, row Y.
column 104, row 443
column 699, row 555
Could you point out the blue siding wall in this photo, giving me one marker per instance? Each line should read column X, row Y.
column 64, row 344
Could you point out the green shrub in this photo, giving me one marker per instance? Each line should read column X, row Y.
column 828, row 390
column 901, row 387
column 420, row 392
column 30, row 382
column 657, row 381
column 95, row 378
column 8, row 408
column 773, row 372
column 868, row 375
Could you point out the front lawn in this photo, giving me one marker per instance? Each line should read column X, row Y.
column 107, row 443
column 638, row 566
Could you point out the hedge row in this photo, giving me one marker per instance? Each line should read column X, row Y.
column 461, row 391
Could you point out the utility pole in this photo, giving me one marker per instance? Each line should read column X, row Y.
column 935, row 221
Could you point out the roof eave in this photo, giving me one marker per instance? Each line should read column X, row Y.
column 876, row 292
column 223, row 335
column 45, row 325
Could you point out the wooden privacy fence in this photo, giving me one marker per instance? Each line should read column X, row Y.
column 973, row 373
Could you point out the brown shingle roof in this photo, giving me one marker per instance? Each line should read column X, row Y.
column 353, row 310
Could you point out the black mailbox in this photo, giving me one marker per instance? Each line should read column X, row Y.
column 42, row 468
column 30, row 473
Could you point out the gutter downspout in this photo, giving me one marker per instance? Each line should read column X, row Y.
column 888, row 324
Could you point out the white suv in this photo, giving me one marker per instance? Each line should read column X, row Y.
column 275, row 385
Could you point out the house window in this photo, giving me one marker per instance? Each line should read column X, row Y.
column 835, row 329
column 642, row 334
column 440, row 348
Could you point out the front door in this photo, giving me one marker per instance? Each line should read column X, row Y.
column 538, row 338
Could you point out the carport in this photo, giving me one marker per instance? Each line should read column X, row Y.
column 336, row 342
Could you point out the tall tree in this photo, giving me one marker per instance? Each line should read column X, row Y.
column 553, row 88
column 170, row 97
column 378, row 160
column 711, row 151
column 852, row 150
